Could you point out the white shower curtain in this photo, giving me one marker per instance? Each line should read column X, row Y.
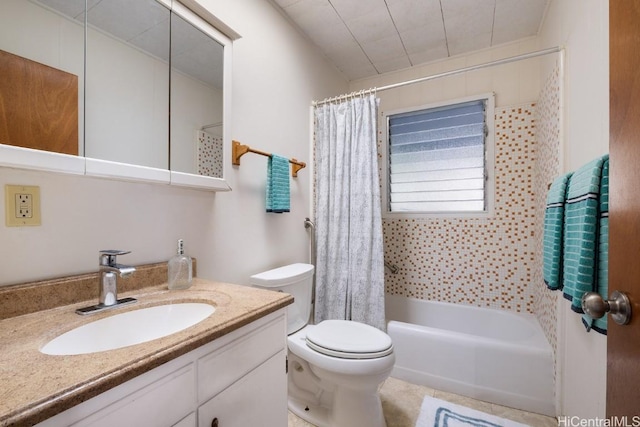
column 349, row 258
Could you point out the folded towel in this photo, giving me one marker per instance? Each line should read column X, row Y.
column 278, row 196
column 552, row 237
column 581, row 232
column 602, row 278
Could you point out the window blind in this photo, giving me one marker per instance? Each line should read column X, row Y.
column 437, row 159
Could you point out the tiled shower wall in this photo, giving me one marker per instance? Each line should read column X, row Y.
column 547, row 167
column 490, row 262
column 486, row 262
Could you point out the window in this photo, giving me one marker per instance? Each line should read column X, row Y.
column 440, row 159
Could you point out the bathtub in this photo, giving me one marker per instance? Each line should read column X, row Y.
column 497, row 356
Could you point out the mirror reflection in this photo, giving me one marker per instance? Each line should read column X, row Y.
column 42, row 69
column 139, row 55
column 127, row 104
column 196, row 99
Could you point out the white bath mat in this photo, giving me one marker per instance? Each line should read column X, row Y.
column 439, row 413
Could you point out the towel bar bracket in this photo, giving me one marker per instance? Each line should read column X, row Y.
column 296, row 166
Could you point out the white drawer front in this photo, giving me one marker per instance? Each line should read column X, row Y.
column 221, row 368
column 165, row 402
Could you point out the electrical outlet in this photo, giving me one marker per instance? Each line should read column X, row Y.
column 22, row 205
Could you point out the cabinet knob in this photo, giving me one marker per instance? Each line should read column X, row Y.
column 214, row 422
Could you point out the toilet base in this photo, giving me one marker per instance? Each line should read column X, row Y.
column 314, row 414
column 343, row 414
column 357, row 409
column 327, row 404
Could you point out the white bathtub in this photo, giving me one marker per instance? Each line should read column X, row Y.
column 492, row 355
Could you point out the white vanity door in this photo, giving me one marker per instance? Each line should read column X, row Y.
column 257, row 399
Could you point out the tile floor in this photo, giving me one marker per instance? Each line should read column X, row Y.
column 401, row 403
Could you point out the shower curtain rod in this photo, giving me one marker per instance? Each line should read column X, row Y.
column 213, row 125
column 445, row 74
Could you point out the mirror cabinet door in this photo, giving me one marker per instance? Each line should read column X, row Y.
column 197, row 65
column 42, row 69
column 146, row 84
column 127, row 83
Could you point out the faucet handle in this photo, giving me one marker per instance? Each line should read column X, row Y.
column 108, row 256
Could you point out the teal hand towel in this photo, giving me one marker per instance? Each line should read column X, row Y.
column 602, row 277
column 581, row 232
column 553, row 233
column 278, row 192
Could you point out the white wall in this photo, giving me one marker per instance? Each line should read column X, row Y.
column 582, row 27
column 276, row 74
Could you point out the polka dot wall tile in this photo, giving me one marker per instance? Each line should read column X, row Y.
column 209, row 154
column 486, row 262
column 548, row 168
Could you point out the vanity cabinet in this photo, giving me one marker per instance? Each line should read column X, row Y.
column 238, row 380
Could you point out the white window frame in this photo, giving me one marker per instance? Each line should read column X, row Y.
column 489, row 162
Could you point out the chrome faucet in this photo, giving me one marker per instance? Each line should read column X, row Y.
column 109, row 270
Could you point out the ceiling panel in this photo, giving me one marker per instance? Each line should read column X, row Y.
column 384, row 49
column 378, row 36
column 516, row 19
column 320, row 22
column 468, row 24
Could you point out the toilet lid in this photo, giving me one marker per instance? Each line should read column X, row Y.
column 349, row 340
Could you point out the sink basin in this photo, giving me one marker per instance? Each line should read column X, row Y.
column 129, row 328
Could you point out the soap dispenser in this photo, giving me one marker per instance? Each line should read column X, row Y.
column 180, row 269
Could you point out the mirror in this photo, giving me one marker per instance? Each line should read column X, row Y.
column 155, row 92
column 127, row 82
column 42, row 69
column 196, row 96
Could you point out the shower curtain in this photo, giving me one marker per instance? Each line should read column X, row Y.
column 349, row 257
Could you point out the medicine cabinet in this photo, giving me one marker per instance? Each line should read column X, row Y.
column 127, row 89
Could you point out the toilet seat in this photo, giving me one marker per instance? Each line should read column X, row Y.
column 349, row 340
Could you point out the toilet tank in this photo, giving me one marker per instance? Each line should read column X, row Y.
column 294, row 279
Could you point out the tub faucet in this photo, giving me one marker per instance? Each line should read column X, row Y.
column 109, row 270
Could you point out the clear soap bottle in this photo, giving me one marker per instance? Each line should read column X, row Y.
column 180, row 269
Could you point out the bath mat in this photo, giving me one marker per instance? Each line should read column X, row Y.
column 439, row 413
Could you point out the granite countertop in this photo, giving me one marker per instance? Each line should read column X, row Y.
column 35, row 386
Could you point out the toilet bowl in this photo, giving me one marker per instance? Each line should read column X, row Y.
column 336, row 367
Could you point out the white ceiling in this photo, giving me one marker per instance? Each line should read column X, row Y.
column 368, row 37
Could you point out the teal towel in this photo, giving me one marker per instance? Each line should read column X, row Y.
column 581, row 232
column 278, row 193
column 602, row 284
column 553, row 233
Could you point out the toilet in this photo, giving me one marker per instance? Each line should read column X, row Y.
column 335, row 368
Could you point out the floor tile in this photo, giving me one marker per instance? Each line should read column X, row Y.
column 401, row 403
column 478, row 405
